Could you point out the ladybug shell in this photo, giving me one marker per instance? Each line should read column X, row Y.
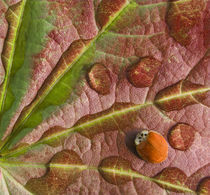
column 154, row 149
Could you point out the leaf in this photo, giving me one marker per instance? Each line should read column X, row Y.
column 11, row 186
column 24, row 39
column 78, row 81
column 58, row 177
column 79, row 49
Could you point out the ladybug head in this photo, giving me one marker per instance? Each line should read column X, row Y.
column 142, row 136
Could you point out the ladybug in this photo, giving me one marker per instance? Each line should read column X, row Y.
column 151, row 146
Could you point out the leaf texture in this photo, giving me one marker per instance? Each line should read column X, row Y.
column 78, row 81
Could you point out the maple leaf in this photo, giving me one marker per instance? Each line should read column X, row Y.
column 80, row 78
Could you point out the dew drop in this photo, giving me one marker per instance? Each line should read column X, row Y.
column 204, row 187
column 99, row 79
column 181, row 136
column 143, row 73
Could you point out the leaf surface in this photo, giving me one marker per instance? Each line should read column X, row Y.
column 79, row 79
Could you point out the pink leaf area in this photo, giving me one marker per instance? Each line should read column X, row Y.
column 107, row 72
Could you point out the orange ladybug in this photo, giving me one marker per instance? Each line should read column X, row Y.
column 151, row 146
